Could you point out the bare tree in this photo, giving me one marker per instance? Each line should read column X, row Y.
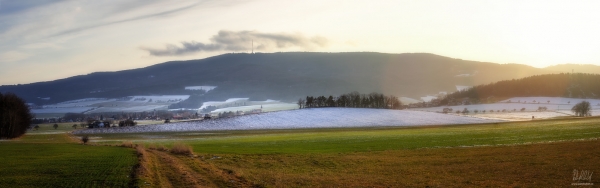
column 582, row 109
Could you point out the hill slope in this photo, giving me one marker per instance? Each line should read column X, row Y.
column 578, row 85
column 280, row 76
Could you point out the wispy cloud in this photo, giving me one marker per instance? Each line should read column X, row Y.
column 141, row 17
column 43, row 19
column 241, row 41
column 12, row 56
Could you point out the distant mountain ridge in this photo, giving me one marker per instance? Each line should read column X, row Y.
column 281, row 76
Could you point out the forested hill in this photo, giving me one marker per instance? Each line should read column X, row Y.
column 577, row 85
column 282, row 76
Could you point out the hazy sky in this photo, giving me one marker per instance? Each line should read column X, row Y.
column 44, row 40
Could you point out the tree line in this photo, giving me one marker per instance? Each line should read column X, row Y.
column 15, row 116
column 577, row 85
column 352, row 100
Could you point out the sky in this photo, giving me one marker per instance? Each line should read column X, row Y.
column 43, row 40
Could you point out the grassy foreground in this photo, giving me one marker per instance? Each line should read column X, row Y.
column 50, row 158
column 537, row 165
column 515, row 154
column 371, row 139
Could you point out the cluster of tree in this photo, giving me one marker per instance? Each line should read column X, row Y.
column 352, row 100
column 126, row 123
column 96, row 124
column 578, row 85
column 15, row 116
column 582, row 109
column 229, row 114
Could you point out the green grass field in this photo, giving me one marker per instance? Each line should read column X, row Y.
column 371, row 139
column 530, row 154
column 48, row 157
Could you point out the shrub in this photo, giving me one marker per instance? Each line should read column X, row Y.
column 74, row 126
column 55, row 126
column 85, row 139
column 181, row 149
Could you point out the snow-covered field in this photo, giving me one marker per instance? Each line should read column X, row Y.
column 264, row 108
column 61, row 110
column 244, row 104
column 306, row 118
column 428, row 98
column 205, row 88
column 551, row 100
column 460, row 88
column 144, row 108
column 125, row 104
column 406, row 100
column 79, row 103
column 160, row 98
column 555, row 107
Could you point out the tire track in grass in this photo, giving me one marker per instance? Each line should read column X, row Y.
column 178, row 173
column 162, row 169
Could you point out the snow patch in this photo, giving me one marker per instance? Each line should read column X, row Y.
column 406, row 100
column 428, row 98
column 205, row 88
column 460, row 88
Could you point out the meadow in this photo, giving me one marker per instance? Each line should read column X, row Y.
column 541, row 153
column 49, row 157
column 332, row 140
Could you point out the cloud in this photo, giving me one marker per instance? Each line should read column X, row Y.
column 141, row 17
column 36, row 46
column 241, row 41
column 13, row 7
column 12, row 56
column 50, row 19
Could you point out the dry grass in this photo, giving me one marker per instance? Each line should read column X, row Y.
column 162, row 148
column 538, row 165
column 152, row 147
column 181, row 149
column 128, row 144
column 163, row 169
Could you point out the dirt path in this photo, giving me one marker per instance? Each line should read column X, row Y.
column 163, row 169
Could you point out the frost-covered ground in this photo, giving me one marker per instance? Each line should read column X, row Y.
column 406, row 100
column 61, row 110
column 306, row 118
column 144, row 108
column 97, row 105
column 205, row 88
column 244, row 104
column 79, row 103
column 551, row 100
column 555, row 107
column 263, row 108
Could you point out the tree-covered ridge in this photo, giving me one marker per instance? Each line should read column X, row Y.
column 577, row 85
